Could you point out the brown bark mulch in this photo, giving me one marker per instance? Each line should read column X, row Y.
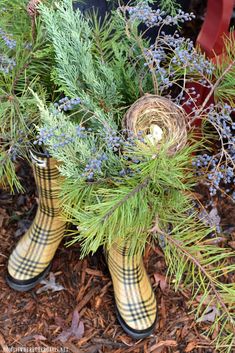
column 33, row 322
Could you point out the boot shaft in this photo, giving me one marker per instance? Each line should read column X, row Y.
column 31, row 258
column 48, row 180
column 120, row 253
column 134, row 297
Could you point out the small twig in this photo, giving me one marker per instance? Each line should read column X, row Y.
column 33, row 12
column 107, row 342
column 16, row 79
column 3, row 255
column 137, row 189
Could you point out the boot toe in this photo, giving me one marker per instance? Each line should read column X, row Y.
column 134, row 333
column 26, row 285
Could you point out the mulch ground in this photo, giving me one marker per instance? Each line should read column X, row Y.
column 33, row 322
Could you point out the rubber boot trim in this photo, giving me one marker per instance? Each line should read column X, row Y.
column 136, row 334
column 26, row 285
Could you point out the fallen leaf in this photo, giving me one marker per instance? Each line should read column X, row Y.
column 161, row 280
column 210, row 314
column 75, row 331
column 50, row 285
column 214, row 217
column 22, row 227
column 190, row 347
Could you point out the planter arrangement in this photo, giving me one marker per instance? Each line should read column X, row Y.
column 113, row 151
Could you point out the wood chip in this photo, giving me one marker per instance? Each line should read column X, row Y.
column 92, row 272
column 167, row 343
column 5, row 348
column 86, row 299
column 190, row 347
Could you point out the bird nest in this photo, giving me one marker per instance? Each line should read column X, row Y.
column 159, row 120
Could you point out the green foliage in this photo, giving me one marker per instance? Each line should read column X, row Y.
column 225, row 72
column 8, row 176
column 103, row 64
column 14, row 18
column 109, row 209
column 197, row 263
column 33, row 59
column 154, row 202
column 95, row 61
column 77, row 70
column 170, row 6
column 112, row 212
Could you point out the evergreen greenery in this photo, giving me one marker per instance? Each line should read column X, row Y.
column 114, row 206
column 25, row 60
column 94, row 61
column 225, row 72
column 132, row 192
column 170, row 6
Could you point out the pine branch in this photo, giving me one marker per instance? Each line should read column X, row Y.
column 207, row 266
column 178, row 245
column 216, row 84
column 137, row 189
column 8, row 177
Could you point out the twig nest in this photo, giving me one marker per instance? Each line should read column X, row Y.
column 160, row 121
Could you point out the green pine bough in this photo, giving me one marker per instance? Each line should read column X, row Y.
column 225, row 72
column 135, row 192
column 113, row 207
column 154, row 203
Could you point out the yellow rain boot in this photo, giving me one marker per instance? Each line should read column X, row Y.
column 30, row 260
column 135, row 300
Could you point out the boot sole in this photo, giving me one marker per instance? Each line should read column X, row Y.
column 136, row 334
column 26, row 285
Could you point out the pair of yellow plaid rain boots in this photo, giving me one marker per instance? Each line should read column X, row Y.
column 30, row 261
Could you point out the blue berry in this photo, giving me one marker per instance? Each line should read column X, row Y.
column 66, row 104
column 6, row 64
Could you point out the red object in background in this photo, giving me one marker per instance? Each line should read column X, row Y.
column 215, row 26
column 210, row 39
column 197, row 103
